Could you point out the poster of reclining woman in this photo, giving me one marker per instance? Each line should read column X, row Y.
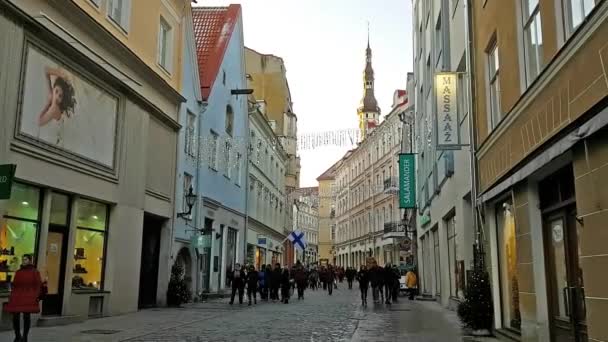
column 63, row 110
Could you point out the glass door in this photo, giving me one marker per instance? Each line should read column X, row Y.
column 565, row 277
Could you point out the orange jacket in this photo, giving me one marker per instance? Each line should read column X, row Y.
column 410, row 280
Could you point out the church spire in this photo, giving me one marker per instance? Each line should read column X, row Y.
column 369, row 113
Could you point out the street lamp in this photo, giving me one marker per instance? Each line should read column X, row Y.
column 190, row 201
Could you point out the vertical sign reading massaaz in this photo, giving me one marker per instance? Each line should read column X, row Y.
column 407, row 180
column 448, row 135
column 63, row 110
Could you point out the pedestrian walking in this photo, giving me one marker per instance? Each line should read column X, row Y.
column 252, row 284
column 285, row 285
column 396, row 277
column 237, row 280
column 387, row 277
column 276, row 281
column 300, row 279
column 350, row 276
column 331, row 279
column 262, row 283
column 381, row 283
column 411, row 282
column 27, row 290
column 374, row 277
column 363, row 279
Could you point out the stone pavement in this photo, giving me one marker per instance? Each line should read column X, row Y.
column 319, row 317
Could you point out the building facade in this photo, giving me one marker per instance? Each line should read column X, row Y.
column 90, row 119
column 542, row 151
column 267, row 205
column 307, row 221
column 445, row 232
column 223, row 131
column 366, row 202
column 327, row 215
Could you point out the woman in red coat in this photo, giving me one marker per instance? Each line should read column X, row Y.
column 25, row 297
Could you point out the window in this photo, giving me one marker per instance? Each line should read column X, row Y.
column 452, row 254
column 227, row 159
column 165, row 48
column 507, row 259
column 533, row 43
column 575, row 11
column 494, row 86
column 118, row 12
column 19, row 231
column 429, row 77
column 186, row 188
column 213, row 151
column 229, row 120
column 437, row 261
column 438, row 43
column 89, row 252
column 223, row 77
column 190, row 145
column 239, row 158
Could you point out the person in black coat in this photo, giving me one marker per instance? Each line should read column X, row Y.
column 285, row 285
column 252, row 284
column 374, row 278
column 363, row 279
column 388, row 277
column 275, row 281
column 350, row 276
column 237, row 279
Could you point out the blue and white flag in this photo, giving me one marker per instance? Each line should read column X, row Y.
column 297, row 238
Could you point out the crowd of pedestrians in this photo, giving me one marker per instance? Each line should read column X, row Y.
column 276, row 283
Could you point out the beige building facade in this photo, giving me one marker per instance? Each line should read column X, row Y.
column 542, row 152
column 91, row 198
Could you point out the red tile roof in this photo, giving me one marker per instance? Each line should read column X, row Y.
column 213, row 27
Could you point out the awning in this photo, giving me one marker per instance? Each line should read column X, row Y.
column 558, row 148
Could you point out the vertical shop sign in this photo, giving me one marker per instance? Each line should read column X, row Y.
column 407, row 180
column 447, row 125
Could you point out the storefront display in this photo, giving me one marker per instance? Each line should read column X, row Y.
column 18, row 231
column 509, row 280
column 90, row 245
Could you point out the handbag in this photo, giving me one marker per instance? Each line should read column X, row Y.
column 43, row 291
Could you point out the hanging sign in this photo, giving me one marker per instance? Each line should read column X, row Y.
column 407, row 180
column 447, row 125
column 7, row 173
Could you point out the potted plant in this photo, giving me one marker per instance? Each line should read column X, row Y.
column 177, row 292
column 476, row 311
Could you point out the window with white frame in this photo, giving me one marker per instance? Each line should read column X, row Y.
column 575, row 11
column 213, row 145
column 239, row 158
column 494, row 86
column 190, row 146
column 119, row 12
column 165, row 40
column 533, row 41
column 438, row 43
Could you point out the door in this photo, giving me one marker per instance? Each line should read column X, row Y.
column 565, row 277
column 150, row 252
column 55, row 271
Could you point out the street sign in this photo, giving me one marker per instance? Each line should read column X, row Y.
column 261, row 240
column 447, row 123
column 407, row 180
column 7, row 173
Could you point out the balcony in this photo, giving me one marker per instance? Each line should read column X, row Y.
column 394, row 229
column 391, row 185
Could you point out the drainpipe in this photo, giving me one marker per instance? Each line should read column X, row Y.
column 478, row 249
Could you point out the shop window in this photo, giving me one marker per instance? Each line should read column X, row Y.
column 18, row 231
column 509, row 280
column 89, row 252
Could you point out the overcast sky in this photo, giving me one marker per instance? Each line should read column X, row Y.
column 323, row 45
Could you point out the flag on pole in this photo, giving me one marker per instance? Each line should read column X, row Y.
column 297, row 239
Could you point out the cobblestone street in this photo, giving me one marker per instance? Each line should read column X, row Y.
column 318, row 318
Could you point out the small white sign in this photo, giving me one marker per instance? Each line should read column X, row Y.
column 447, row 110
column 53, row 248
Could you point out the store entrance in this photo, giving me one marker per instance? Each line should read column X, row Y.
column 566, row 290
column 150, row 252
column 55, row 270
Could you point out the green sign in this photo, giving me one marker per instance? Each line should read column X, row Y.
column 407, row 180
column 7, row 172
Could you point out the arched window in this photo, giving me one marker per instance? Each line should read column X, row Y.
column 229, row 120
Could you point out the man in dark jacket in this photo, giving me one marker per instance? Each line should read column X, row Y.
column 389, row 282
column 276, row 281
column 330, row 279
column 363, row 279
column 374, row 278
column 237, row 280
column 350, row 276
column 252, row 284
column 300, row 279
column 285, row 285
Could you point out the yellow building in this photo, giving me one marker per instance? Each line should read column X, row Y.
column 135, row 24
column 327, row 214
column 268, row 79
